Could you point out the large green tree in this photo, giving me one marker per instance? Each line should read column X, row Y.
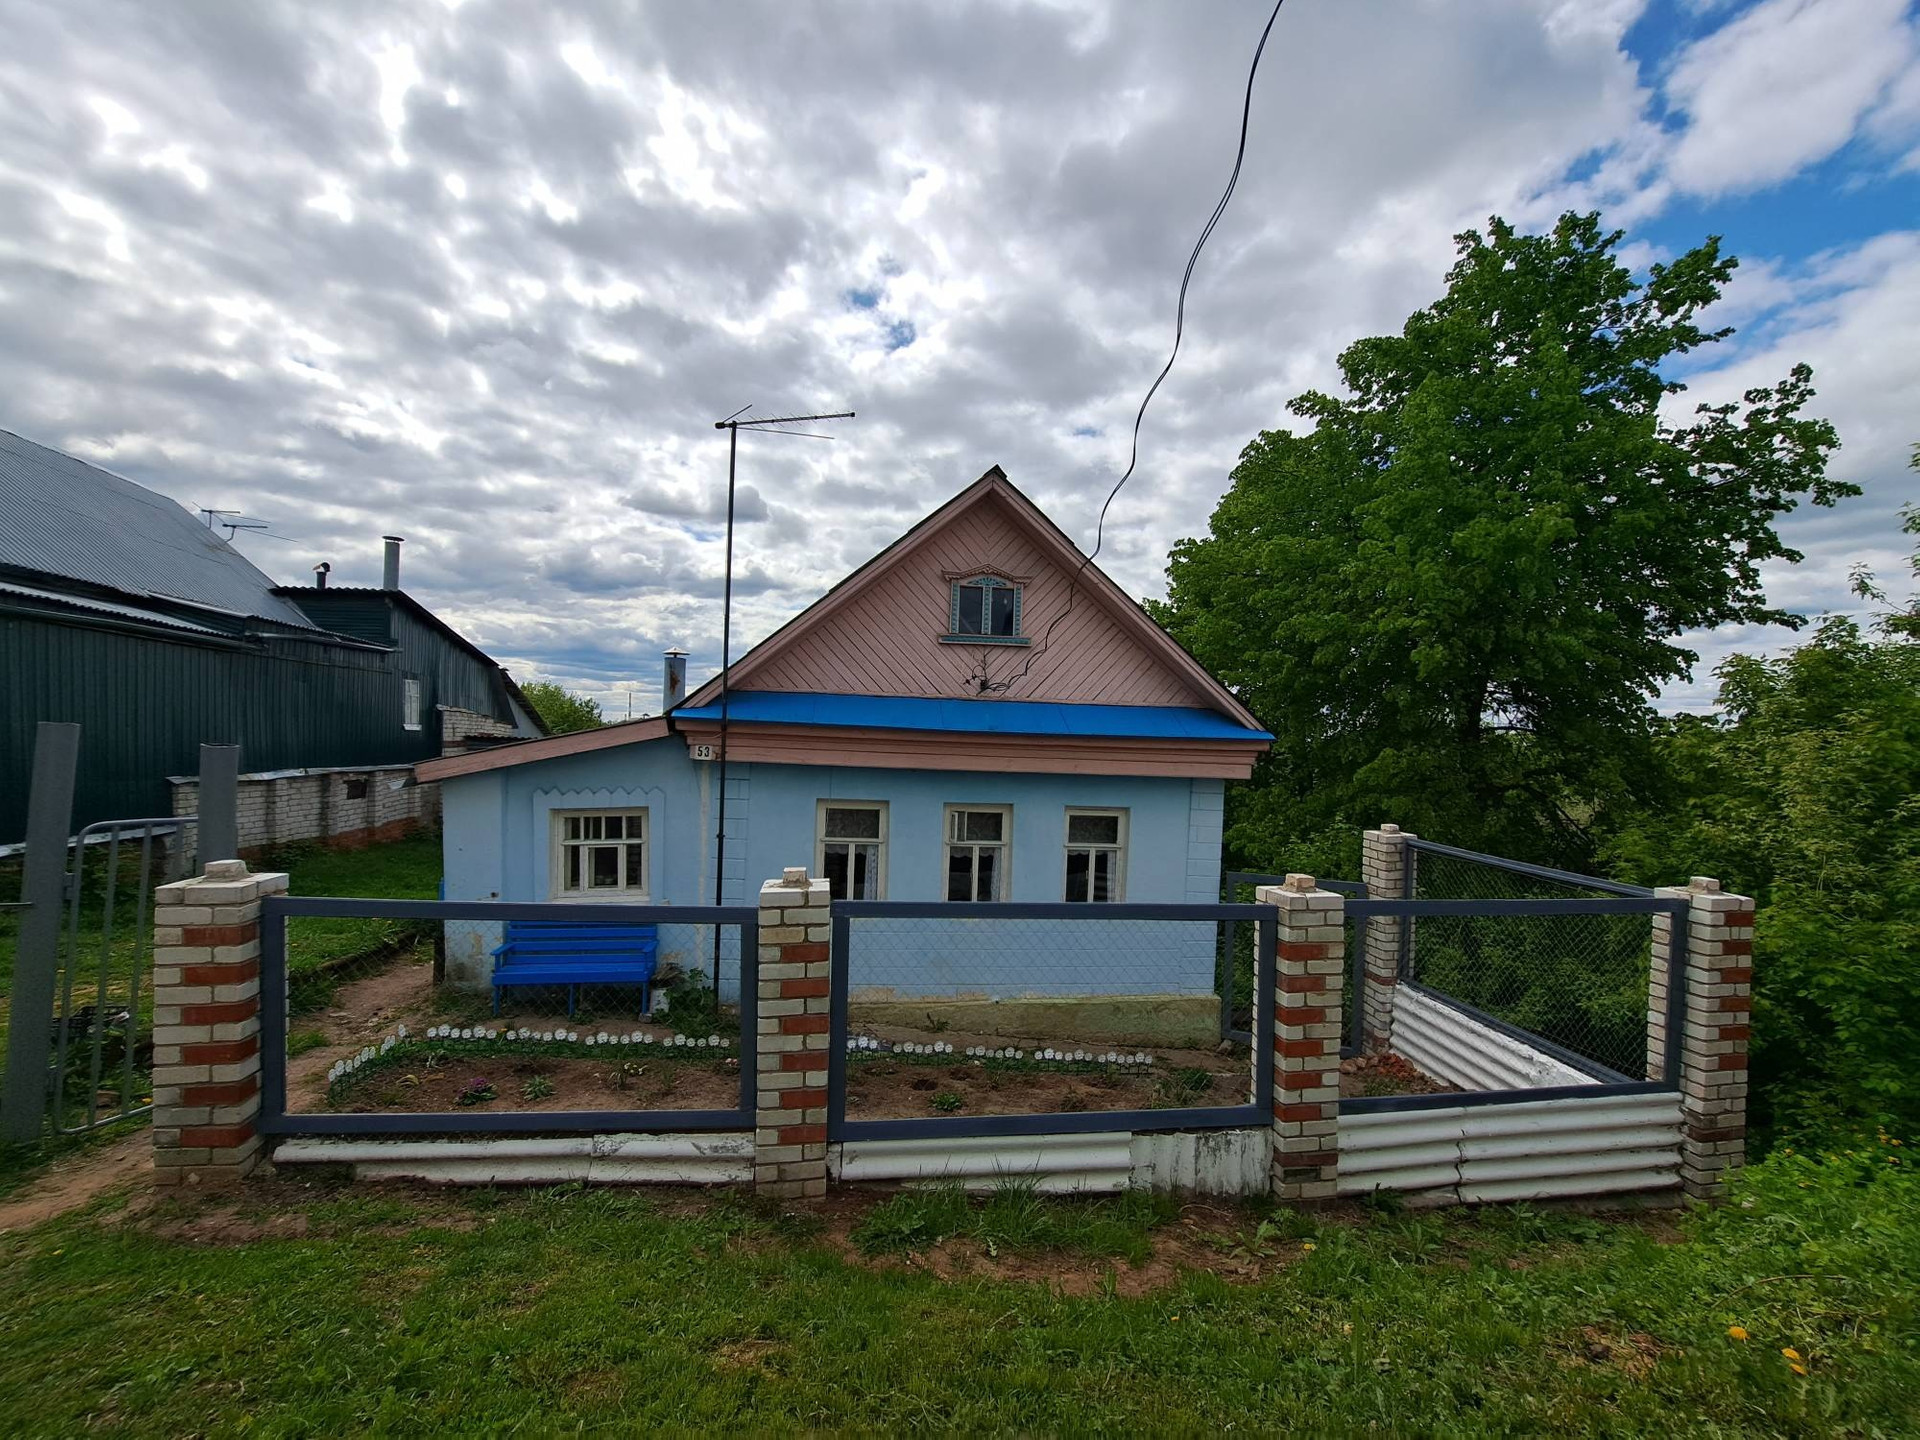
column 1455, row 591
column 1804, row 791
column 560, row 710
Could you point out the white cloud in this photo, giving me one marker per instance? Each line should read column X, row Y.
column 483, row 275
column 1852, row 318
column 1782, row 86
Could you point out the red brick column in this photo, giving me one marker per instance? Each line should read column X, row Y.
column 206, row 1025
column 1308, row 984
column 1717, row 972
column 790, row 1117
column 1383, row 869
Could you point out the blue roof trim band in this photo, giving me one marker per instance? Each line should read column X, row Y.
column 991, row 717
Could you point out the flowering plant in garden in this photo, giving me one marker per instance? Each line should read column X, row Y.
column 477, row 1091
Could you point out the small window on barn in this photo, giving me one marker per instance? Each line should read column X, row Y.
column 853, row 848
column 599, row 854
column 984, row 610
column 357, row 788
column 1096, row 855
column 410, row 703
column 978, row 840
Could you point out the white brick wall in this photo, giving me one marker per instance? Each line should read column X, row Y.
column 282, row 806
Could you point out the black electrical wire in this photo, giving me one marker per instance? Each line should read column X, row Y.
column 1179, row 329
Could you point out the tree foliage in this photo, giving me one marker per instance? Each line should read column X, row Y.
column 1454, row 594
column 1805, row 793
column 560, row 710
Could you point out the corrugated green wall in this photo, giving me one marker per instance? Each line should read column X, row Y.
column 145, row 705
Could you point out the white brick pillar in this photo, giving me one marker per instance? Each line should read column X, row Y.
column 1310, row 960
column 1384, row 857
column 793, row 1024
column 206, row 1025
column 1717, row 973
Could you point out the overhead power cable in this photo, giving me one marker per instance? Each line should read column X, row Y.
column 987, row 686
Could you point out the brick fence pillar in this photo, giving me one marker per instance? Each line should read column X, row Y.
column 790, row 1097
column 1383, row 870
column 1311, row 967
column 1717, row 971
column 206, row 1025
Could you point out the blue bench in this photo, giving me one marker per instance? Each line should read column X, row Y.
column 552, row 952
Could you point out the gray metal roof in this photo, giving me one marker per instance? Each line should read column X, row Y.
column 106, row 607
column 62, row 516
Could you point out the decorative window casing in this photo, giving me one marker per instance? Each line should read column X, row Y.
column 600, row 854
column 978, row 852
column 851, row 848
column 1096, row 856
column 984, row 610
column 410, row 707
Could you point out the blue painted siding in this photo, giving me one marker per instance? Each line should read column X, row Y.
column 498, row 826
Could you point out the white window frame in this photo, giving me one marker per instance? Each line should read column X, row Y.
column 1004, row 845
column 626, row 894
column 1120, row 848
column 411, row 708
column 821, row 841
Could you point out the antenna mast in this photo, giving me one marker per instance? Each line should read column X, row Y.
column 733, row 425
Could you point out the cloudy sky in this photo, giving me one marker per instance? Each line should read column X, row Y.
column 485, row 273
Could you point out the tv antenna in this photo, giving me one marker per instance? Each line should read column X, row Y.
column 733, row 425
column 234, row 521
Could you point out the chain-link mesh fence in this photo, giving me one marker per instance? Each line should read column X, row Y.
column 1577, row 981
column 397, row 1015
column 991, row 1016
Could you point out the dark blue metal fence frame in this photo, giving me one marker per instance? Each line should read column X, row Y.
column 1356, row 966
column 1257, row 1112
column 274, row 1119
column 1625, row 900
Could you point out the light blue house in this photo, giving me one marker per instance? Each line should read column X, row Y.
column 975, row 714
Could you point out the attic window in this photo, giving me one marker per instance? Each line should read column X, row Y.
column 984, row 610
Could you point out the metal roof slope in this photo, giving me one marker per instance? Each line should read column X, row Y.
column 105, row 607
column 996, row 717
column 62, row 516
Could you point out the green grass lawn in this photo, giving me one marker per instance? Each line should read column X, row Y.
column 310, row 1310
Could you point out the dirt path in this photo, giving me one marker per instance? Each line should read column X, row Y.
column 76, row 1179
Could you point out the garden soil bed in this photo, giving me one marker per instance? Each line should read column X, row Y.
column 619, row 1082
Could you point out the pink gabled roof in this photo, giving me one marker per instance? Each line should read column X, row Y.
column 878, row 631
column 547, row 747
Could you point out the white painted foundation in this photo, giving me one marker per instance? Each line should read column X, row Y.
column 1215, row 1162
column 703, row 1159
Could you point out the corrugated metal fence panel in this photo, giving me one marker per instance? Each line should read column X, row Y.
column 717, row 1159
column 1452, row 1046
column 1529, row 1150
column 1206, row 1162
column 1098, row 1162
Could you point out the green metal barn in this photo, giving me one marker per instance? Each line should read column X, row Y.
column 121, row 612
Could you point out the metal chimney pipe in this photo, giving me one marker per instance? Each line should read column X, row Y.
column 320, row 573
column 674, row 687
column 391, row 579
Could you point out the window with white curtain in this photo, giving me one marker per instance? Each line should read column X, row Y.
column 852, row 848
column 1096, row 855
column 979, row 838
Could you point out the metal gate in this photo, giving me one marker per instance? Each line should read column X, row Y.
column 79, row 1010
